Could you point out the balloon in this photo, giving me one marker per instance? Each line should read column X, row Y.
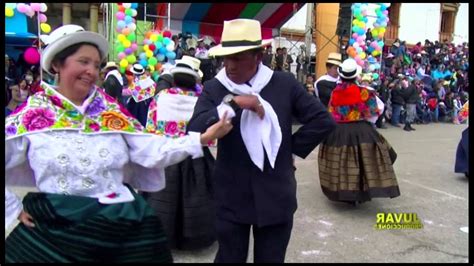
column 171, row 55
column 132, row 37
column 120, row 48
column 131, row 59
column 35, row 7
column 127, row 5
column 152, row 61
column 146, row 47
column 152, row 47
column 132, row 26
column 154, row 37
column 123, row 63
column 158, row 45
column 120, row 15
column 142, row 55
column 121, row 24
column 127, row 43
column 134, row 5
column 151, row 68
column 134, row 46
column 21, row 8
column 160, row 57
column 128, row 51
column 126, row 31
column 148, row 35
column 30, row 13
column 121, row 8
column 44, row 7
column 43, row 18
column 128, row 12
column 9, row 12
column 170, row 48
column 167, row 34
column 121, row 55
column 121, row 37
column 363, row 55
column 371, row 67
column 10, row 5
column 45, row 27
column 31, row 56
column 160, row 37
column 128, row 19
column 149, row 53
column 143, row 62
column 162, row 50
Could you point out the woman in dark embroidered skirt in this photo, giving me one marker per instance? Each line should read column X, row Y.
column 355, row 161
column 185, row 205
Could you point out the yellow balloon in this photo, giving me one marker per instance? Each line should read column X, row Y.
column 123, row 63
column 146, row 47
column 154, row 38
column 127, row 43
column 363, row 55
column 152, row 69
column 149, row 53
column 9, row 12
column 121, row 37
column 45, row 27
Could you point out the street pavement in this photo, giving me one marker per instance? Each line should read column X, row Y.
column 331, row 232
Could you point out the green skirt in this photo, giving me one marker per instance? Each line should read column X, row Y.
column 80, row 229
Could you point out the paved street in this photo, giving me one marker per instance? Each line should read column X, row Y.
column 327, row 231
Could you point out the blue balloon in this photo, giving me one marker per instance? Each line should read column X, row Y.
column 142, row 56
column 134, row 5
column 351, row 41
column 160, row 57
column 158, row 45
column 163, row 50
column 128, row 19
column 144, row 62
column 121, row 24
column 166, row 41
column 171, row 55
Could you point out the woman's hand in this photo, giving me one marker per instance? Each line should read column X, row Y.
column 217, row 131
column 250, row 102
column 26, row 219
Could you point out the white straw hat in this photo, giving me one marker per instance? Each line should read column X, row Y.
column 188, row 65
column 239, row 35
column 349, row 69
column 66, row 36
column 137, row 69
column 334, row 58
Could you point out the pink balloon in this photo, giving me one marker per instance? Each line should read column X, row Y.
column 121, row 55
column 31, row 56
column 36, row 7
column 120, row 15
column 355, row 35
column 21, row 8
column 134, row 46
column 360, row 39
column 43, row 18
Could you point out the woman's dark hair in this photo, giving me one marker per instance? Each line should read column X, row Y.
column 185, row 81
column 61, row 57
column 348, row 80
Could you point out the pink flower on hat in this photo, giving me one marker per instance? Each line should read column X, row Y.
column 36, row 119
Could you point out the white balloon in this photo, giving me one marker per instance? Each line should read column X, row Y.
column 44, row 7
column 170, row 47
column 127, row 5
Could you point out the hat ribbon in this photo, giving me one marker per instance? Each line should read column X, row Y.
column 240, row 43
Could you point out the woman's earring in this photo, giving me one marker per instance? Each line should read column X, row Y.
column 56, row 79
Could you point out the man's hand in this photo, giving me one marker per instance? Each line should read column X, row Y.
column 250, row 102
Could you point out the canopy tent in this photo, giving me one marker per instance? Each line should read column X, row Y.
column 206, row 19
column 19, row 34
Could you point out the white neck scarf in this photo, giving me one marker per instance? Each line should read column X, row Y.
column 258, row 134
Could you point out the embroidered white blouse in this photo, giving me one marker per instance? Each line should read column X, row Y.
column 68, row 162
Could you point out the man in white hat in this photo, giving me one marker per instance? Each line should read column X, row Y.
column 326, row 83
column 255, row 183
column 113, row 81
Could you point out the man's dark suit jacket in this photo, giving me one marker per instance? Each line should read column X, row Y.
column 243, row 193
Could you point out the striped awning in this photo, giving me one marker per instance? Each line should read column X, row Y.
column 206, row 19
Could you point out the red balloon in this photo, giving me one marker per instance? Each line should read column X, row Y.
column 167, row 34
column 121, row 8
column 31, row 56
column 152, row 47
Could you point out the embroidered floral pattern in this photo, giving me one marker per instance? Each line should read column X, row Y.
column 46, row 110
column 357, row 107
column 139, row 94
column 36, row 119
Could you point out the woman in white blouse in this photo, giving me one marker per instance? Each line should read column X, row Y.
column 79, row 147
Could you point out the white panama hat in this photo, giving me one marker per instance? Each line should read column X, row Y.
column 188, row 65
column 137, row 69
column 349, row 69
column 239, row 35
column 66, row 36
